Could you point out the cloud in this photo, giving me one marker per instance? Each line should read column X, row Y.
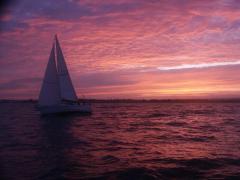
column 7, row 26
column 104, row 79
column 115, row 47
column 16, row 83
column 197, row 66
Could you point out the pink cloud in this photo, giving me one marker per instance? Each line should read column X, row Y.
column 128, row 40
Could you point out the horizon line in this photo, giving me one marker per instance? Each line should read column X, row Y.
column 135, row 99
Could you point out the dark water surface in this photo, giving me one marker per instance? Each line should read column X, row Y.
column 122, row 141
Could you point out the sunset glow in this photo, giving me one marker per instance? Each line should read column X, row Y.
column 124, row 49
column 194, row 66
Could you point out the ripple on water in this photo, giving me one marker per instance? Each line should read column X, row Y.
column 122, row 141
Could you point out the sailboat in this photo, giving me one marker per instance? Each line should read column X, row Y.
column 57, row 93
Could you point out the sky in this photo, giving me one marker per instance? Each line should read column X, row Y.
column 141, row 49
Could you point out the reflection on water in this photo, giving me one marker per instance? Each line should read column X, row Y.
column 122, row 141
column 57, row 139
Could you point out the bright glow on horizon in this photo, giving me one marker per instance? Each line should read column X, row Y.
column 197, row 66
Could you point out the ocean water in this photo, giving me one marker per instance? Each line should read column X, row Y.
column 122, row 141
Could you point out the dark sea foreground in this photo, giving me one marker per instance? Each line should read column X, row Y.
column 122, row 141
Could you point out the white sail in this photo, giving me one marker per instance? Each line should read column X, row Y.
column 50, row 91
column 57, row 86
column 66, row 87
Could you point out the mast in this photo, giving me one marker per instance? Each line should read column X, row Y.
column 50, row 90
column 66, row 87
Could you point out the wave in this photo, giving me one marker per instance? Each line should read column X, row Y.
column 154, row 115
column 185, row 169
column 176, row 123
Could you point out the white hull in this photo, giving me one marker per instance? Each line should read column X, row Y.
column 66, row 108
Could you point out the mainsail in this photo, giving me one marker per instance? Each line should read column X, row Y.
column 66, row 87
column 50, row 91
